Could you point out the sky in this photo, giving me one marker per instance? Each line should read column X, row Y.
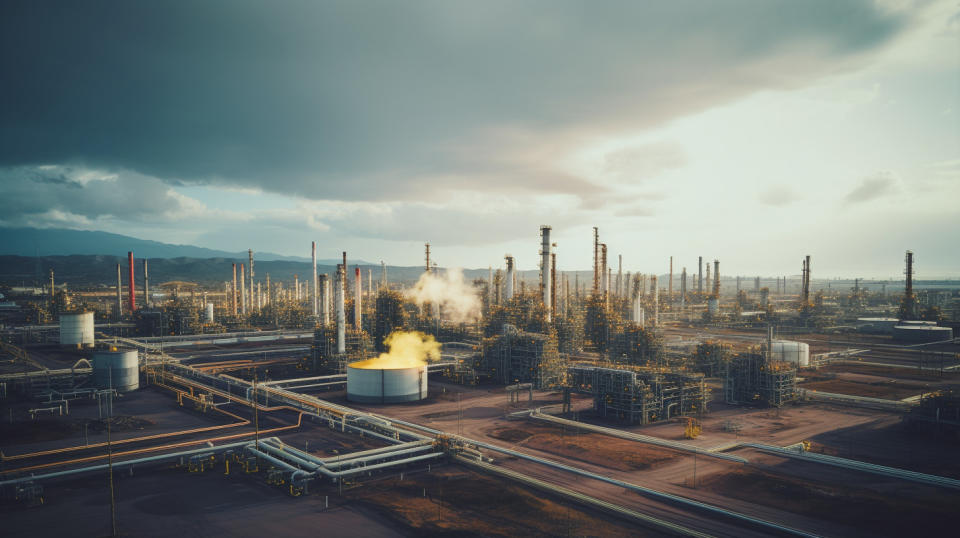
column 753, row 132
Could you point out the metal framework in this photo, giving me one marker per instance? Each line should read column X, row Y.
column 639, row 395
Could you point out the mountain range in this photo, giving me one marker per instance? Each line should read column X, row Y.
column 63, row 242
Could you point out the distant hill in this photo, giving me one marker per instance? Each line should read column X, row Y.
column 62, row 242
column 80, row 270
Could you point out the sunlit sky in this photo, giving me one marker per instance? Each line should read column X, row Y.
column 751, row 132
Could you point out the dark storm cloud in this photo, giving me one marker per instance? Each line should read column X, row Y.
column 378, row 100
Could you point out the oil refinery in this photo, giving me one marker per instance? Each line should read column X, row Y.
column 481, row 268
column 588, row 394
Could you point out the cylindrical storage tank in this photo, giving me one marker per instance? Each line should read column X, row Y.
column 116, row 369
column 209, row 311
column 76, row 330
column 386, row 385
column 797, row 353
column 713, row 306
column 921, row 334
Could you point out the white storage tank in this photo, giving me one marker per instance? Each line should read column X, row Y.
column 713, row 306
column 385, row 385
column 797, row 353
column 116, row 369
column 209, row 312
column 76, row 330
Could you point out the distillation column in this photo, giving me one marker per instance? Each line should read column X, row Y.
column 545, row 280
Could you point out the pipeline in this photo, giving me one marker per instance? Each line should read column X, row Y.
column 156, row 448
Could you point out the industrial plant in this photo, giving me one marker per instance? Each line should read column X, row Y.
column 606, row 402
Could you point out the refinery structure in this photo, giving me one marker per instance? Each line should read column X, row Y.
column 590, row 397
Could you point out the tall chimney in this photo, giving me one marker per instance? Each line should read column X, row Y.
column 545, row 286
column 683, row 287
column 716, row 278
column 604, row 281
column 908, row 285
column 427, row 246
column 670, row 285
column 357, row 299
column 596, row 260
column 553, row 284
column 253, row 297
column 313, row 283
column 133, row 288
column 146, row 285
column 656, row 300
column 338, row 300
column 700, row 275
column 119, row 293
column 508, row 284
column 243, row 292
column 233, row 291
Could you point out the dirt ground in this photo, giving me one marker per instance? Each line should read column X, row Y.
column 594, row 448
column 879, row 389
column 892, row 372
column 888, row 514
column 450, row 500
column 456, row 501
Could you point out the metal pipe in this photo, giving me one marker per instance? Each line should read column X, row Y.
column 121, row 464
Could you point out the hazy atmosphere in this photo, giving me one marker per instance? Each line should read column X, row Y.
column 753, row 131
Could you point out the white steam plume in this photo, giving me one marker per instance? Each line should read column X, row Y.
column 457, row 298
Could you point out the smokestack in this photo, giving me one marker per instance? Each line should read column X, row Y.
column 314, row 295
column 716, row 278
column 805, row 282
column 146, row 285
column 656, row 300
column 545, row 280
column 243, row 292
column 133, row 289
column 604, row 282
column 508, row 284
column 670, row 285
column 683, row 288
column 908, row 285
column 119, row 293
column 383, row 274
column 338, row 300
column 708, row 275
column 596, row 260
column 700, row 275
column 357, row 298
column 250, row 270
column 233, row 292
column 553, row 284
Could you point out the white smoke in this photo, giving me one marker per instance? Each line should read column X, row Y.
column 457, row 298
